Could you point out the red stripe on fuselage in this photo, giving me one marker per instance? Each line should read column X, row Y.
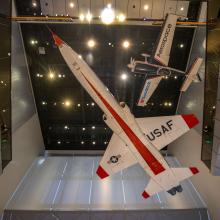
column 152, row 162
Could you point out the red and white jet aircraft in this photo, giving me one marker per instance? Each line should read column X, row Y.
column 135, row 140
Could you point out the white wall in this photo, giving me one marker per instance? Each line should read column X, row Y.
column 188, row 148
column 188, row 151
column 27, row 143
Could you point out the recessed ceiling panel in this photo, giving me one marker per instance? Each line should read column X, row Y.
column 134, row 8
column 72, row 8
column 170, row 7
column 158, row 9
column 122, row 6
column 146, row 8
column 84, row 6
column 59, row 7
column 182, row 8
column 96, row 7
column 46, row 7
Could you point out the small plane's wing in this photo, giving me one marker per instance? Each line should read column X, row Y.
column 191, row 74
column 161, row 131
column 148, row 89
column 116, row 158
column 162, row 53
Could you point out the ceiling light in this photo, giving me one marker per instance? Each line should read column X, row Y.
column 91, row 43
column 121, row 17
column 170, row 104
column 81, row 17
column 82, row 142
column 108, row 15
column 59, row 75
column 182, row 8
column 93, row 143
column 51, row 75
column 80, row 56
column 83, row 129
column 2, row 81
column 175, row 77
column 32, row 42
column 92, row 103
column 93, row 127
column 126, row 44
column 89, row 17
column 71, row 4
column 181, row 45
column 59, row 142
column 146, row 7
column 124, row 76
column 4, row 110
column 34, row 4
column 66, row 127
column 67, row 103
column 78, row 105
column 44, row 103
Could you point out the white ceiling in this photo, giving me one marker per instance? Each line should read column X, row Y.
column 157, row 9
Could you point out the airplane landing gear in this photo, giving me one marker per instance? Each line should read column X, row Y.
column 174, row 190
column 179, row 188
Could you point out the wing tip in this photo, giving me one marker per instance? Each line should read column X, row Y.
column 145, row 195
column 101, row 172
column 58, row 40
column 194, row 170
column 190, row 120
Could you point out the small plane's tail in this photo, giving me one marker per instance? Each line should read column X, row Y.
column 150, row 86
column 191, row 75
column 180, row 174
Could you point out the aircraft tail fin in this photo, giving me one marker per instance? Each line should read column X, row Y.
column 191, row 74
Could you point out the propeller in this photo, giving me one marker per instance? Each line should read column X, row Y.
column 132, row 64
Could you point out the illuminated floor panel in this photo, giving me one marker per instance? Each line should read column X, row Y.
column 68, row 188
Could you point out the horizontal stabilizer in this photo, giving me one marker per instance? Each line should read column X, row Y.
column 191, row 74
column 180, row 174
column 162, row 53
column 148, row 89
column 151, row 189
column 184, row 173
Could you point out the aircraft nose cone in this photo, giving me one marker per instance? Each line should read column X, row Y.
column 57, row 40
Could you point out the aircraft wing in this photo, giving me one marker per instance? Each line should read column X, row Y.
column 162, row 53
column 148, row 89
column 116, row 158
column 161, row 131
column 191, row 74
